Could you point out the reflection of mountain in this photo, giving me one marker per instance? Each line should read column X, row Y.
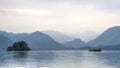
column 43, row 55
column 37, row 56
column 77, row 43
column 36, row 40
column 59, row 37
column 61, row 59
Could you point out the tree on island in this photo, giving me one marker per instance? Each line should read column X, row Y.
column 19, row 46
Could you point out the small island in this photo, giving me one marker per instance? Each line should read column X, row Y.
column 19, row 46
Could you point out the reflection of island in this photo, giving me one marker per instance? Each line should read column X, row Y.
column 20, row 54
column 33, row 59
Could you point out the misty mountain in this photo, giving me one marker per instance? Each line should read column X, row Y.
column 4, row 42
column 36, row 40
column 110, row 39
column 87, row 35
column 107, row 38
column 76, row 43
column 58, row 36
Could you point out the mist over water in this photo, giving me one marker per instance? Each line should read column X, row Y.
column 60, row 59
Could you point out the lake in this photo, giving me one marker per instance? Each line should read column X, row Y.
column 60, row 59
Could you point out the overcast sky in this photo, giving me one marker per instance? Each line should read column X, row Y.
column 68, row 16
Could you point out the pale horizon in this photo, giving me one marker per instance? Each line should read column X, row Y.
column 66, row 16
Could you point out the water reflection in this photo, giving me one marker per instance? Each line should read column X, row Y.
column 92, row 60
column 110, row 58
column 41, row 55
column 29, row 59
column 40, row 59
column 21, row 54
column 60, row 59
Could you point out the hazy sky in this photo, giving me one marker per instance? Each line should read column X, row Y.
column 69, row 16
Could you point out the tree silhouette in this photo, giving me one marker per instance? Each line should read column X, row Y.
column 19, row 46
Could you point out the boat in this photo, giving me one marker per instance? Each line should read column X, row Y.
column 95, row 50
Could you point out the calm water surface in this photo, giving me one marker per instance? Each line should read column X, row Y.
column 60, row 59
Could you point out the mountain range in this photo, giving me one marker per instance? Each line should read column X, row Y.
column 108, row 40
column 36, row 40
column 76, row 43
column 58, row 36
column 87, row 35
column 109, row 37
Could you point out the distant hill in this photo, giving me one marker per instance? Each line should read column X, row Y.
column 107, row 38
column 4, row 42
column 58, row 36
column 110, row 47
column 76, row 43
column 87, row 35
column 36, row 40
